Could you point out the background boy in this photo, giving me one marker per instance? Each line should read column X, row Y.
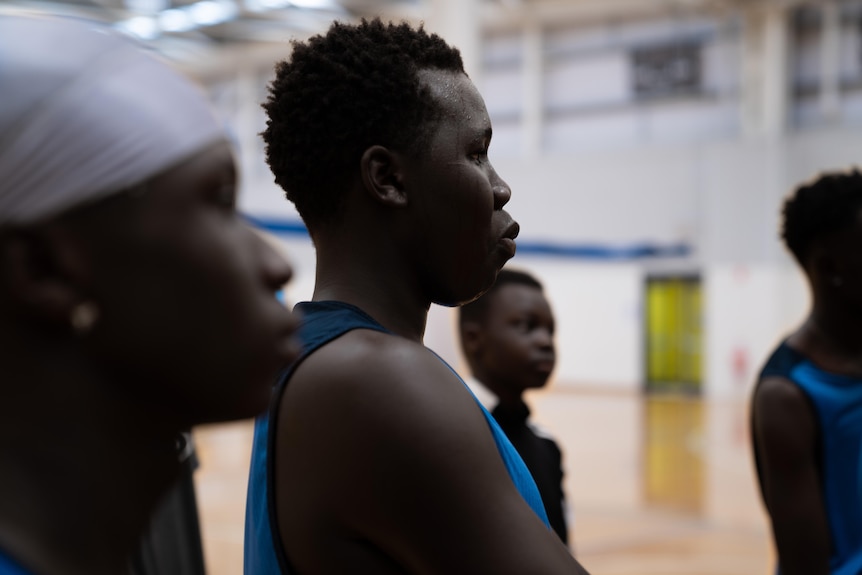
column 507, row 336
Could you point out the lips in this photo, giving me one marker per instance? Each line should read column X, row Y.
column 544, row 366
column 544, row 361
column 507, row 241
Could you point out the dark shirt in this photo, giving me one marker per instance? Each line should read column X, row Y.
column 172, row 544
column 9, row 567
column 542, row 457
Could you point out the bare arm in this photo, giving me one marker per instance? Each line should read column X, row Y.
column 785, row 430
column 402, row 470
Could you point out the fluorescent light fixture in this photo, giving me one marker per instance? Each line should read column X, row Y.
column 211, row 12
column 140, row 26
column 315, row 4
column 175, row 20
column 263, row 5
column 198, row 15
column 146, row 7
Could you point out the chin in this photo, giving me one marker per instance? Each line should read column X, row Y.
column 458, row 299
column 464, row 288
column 539, row 383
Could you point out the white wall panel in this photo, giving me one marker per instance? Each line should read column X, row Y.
column 749, row 309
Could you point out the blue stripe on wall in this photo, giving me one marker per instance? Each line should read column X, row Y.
column 285, row 227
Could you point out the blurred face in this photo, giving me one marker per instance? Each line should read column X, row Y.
column 515, row 349
column 189, row 325
column 460, row 231
column 844, row 249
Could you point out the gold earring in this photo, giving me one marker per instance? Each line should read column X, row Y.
column 84, row 317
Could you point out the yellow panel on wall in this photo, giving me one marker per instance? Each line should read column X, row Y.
column 673, row 333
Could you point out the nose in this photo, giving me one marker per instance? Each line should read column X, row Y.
column 545, row 339
column 275, row 270
column 502, row 192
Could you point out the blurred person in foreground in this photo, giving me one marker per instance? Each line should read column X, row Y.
column 507, row 336
column 134, row 301
column 375, row 457
column 807, row 404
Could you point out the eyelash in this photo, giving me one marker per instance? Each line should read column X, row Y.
column 479, row 157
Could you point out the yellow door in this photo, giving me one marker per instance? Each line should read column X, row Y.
column 673, row 334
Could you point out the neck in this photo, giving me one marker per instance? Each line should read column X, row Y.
column 837, row 327
column 831, row 340
column 505, row 397
column 87, row 473
column 509, row 399
column 373, row 280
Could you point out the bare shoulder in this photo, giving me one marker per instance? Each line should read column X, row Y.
column 784, row 421
column 384, row 458
column 383, row 394
column 778, row 400
column 786, row 436
column 372, row 372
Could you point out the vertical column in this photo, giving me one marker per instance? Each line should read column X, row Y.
column 830, row 56
column 765, row 107
column 532, row 78
column 457, row 22
column 764, row 84
column 751, row 70
column 775, row 77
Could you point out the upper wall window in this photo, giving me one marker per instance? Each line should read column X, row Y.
column 502, row 79
column 615, row 84
column 812, row 56
column 667, row 70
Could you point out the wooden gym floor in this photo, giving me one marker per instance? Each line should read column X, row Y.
column 657, row 486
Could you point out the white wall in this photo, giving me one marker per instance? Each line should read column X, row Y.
column 748, row 310
column 598, row 308
column 613, row 197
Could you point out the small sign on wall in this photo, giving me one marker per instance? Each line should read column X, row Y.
column 666, row 70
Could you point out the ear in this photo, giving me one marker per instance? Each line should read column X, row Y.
column 38, row 273
column 382, row 177
column 472, row 338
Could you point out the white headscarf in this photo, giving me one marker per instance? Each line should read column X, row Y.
column 86, row 112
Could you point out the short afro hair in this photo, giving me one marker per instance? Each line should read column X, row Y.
column 477, row 310
column 342, row 92
column 818, row 209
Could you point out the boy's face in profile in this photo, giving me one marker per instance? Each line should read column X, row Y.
column 516, row 346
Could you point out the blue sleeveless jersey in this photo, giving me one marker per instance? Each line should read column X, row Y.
column 837, row 404
column 9, row 567
column 321, row 323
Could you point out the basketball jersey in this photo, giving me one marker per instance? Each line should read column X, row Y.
column 9, row 567
column 836, row 401
column 322, row 322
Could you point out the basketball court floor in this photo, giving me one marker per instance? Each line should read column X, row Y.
column 657, row 485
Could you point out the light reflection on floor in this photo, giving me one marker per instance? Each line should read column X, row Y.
column 658, row 486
